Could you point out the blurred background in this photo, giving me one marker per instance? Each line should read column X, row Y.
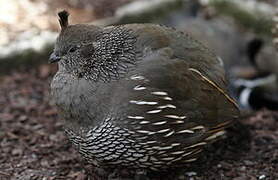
column 242, row 33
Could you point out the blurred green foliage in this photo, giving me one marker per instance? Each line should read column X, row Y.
column 26, row 59
column 255, row 21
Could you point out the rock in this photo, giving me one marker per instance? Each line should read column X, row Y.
column 17, row 152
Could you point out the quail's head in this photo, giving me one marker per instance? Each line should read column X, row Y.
column 85, row 50
column 72, row 48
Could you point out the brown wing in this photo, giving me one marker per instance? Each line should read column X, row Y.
column 173, row 107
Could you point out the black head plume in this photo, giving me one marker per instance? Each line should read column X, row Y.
column 63, row 15
column 253, row 49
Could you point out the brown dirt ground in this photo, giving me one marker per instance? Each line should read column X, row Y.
column 33, row 145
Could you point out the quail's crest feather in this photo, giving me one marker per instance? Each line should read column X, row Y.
column 63, row 15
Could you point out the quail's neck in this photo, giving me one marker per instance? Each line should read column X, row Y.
column 69, row 94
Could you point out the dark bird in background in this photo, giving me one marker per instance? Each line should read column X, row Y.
column 261, row 89
column 138, row 96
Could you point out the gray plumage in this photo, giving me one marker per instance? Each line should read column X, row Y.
column 139, row 95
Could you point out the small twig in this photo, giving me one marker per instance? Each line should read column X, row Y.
column 4, row 174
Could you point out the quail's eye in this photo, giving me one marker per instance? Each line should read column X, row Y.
column 72, row 49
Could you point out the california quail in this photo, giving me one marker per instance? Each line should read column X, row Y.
column 142, row 96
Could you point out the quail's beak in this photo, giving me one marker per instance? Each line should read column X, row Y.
column 54, row 58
